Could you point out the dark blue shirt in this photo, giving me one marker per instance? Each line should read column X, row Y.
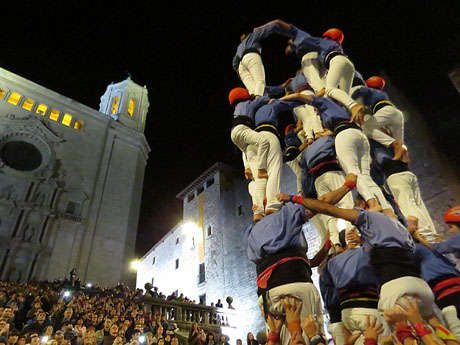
column 433, row 265
column 248, row 108
column 268, row 113
column 351, row 269
column 380, row 154
column 322, row 150
column 291, row 139
column 370, row 96
column 330, row 112
column 451, row 246
column 379, row 230
column 308, row 185
column 305, row 43
column 275, row 232
column 251, row 41
column 297, row 82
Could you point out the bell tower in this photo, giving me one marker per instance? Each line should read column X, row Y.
column 127, row 103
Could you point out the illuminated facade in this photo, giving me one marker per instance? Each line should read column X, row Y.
column 71, row 181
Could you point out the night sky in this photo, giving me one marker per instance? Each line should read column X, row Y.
column 184, row 53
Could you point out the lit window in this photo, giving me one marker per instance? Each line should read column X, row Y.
column 14, row 98
column 78, row 125
column 115, row 102
column 131, row 106
column 28, row 104
column 41, row 109
column 2, row 93
column 54, row 114
column 67, row 119
column 209, row 230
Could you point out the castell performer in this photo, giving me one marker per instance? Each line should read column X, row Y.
column 341, row 70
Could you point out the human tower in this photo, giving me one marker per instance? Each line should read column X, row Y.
column 382, row 261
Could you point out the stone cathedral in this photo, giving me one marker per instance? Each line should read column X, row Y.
column 70, row 181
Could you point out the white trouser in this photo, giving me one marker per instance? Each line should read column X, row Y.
column 274, row 169
column 311, row 122
column 405, row 189
column 355, row 320
column 257, row 187
column 294, row 165
column 311, row 304
column 328, row 182
column 389, row 117
column 242, row 136
column 252, row 73
column 336, row 330
column 352, row 148
column 319, row 222
column 392, row 291
column 339, row 79
column 312, row 70
column 453, row 323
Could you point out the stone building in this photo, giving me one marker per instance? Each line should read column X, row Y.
column 71, row 181
column 204, row 256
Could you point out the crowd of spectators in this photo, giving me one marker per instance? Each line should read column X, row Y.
column 56, row 313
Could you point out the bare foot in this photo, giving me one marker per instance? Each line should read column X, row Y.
column 357, row 114
column 270, row 211
column 399, row 149
column 262, row 173
column 258, row 217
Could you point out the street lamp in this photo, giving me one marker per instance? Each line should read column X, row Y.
column 135, row 265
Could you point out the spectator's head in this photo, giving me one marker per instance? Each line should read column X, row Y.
column 174, row 340
column 107, row 324
column 13, row 337
column 136, row 334
column 87, row 339
column 51, row 342
column 223, row 338
column 353, row 239
column 35, row 340
column 41, row 316
column 210, row 336
column 59, row 336
column 161, row 341
column 239, row 342
column 21, row 340
column 159, row 330
column 68, row 313
column 49, row 330
column 113, row 330
column 250, row 337
column 118, row 341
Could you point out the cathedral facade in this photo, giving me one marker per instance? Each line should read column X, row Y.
column 70, row 181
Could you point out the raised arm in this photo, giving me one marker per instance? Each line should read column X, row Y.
column 296, row 97
column 336, row 195
column 282, row 24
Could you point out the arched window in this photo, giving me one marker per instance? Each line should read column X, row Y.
column 2, row 93
column 67, row 119
column 115, row 103
column 54, row 114
column 131, row 106
column 78, row 125
column 41, row 109
column 28, row 104
column 14, row 98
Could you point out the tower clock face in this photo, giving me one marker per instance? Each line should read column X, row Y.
column 21, row 155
